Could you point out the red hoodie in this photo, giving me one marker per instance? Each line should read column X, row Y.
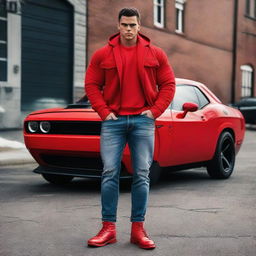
column 104, row 73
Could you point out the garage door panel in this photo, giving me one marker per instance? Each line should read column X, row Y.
column 47, row 53
column 53, row 4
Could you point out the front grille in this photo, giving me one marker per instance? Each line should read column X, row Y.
column 73, row 161
column 71, row 127
column 86, row 165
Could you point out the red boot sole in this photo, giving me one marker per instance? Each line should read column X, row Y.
column 111, row 241
column 141, row 246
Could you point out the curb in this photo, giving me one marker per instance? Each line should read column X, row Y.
column 16, row 157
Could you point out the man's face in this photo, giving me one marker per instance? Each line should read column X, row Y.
column 128, row 27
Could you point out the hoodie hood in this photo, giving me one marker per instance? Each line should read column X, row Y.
column 114, row 39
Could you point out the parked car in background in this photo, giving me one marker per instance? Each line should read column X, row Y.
column 248, row 108
column 195, row 130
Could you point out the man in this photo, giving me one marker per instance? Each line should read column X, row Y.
column 129, row 83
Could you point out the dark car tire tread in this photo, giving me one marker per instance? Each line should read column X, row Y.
column 223, row 162
column 155, row 173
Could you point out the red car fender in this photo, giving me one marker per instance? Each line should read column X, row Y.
column 225, row 126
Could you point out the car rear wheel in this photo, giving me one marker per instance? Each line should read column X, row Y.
column 155, row 173
column 223, row 162
column 57, row 179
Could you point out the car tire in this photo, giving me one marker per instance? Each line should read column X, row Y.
column 155, row 173
column 57, row 179
column 223, row 162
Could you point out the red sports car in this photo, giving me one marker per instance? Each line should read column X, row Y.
column 196, row 130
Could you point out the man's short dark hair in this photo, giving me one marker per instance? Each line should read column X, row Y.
column 129, row 12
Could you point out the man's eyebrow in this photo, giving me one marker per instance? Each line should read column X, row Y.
column 125, row 24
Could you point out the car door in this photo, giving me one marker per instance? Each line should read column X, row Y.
column 191, row 134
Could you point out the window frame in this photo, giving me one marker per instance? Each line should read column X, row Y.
column 198, row 90
column 180, row 16
column 157, row 5
column 5, row 42
column 250, row 9
column 247, row 81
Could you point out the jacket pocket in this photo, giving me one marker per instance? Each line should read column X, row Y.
column 151, row 63
column 108, row 65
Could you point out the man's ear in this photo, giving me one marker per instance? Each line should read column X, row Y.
column 118, row 26
column 139, row 26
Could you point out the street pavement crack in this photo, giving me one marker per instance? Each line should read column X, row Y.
column 206, row 236
column 17, row 219
column 204, row 210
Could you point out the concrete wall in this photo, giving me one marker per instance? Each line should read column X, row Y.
column 10, row 116
column 10, row 91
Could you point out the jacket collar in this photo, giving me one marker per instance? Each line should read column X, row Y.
column 114, row 40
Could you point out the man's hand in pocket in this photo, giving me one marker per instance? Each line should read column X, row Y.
column 111, row 116
column 147, row 113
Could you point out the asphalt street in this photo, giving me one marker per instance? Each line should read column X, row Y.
column 188, row 213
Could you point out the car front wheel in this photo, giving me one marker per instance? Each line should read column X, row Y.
column 155, row 173
column 57, row 179
column 223, row 162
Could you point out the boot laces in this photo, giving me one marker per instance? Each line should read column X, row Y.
column 143, row 231
column 102, row 231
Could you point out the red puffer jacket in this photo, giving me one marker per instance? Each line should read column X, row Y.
column 102, row 80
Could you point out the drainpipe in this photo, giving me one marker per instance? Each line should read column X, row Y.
column 234, row 53
column 87, row 33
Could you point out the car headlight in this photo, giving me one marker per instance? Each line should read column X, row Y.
column 45, row 126
column 33, row 126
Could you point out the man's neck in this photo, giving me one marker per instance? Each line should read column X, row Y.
column 128, row 43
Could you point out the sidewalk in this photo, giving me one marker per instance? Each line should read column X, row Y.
column 13, row 150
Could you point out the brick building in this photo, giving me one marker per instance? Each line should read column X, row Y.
column 213, row 42
column 44, row 45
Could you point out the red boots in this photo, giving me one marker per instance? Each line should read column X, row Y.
column 107, row 235
column 140, row 237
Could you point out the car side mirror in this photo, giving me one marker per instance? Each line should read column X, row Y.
column 187, row 107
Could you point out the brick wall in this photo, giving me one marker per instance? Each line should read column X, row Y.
column 203, row 53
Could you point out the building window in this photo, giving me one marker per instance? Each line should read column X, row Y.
column 247, row 81
column 3, row 42
column 250, row 9
column 159, row 13
column 179, row 5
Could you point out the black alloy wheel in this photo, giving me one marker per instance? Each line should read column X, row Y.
column 223, row 162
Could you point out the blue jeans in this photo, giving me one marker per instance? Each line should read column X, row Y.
column 139, row 132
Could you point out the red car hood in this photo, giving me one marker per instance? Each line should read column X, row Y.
column 60, row 110
column 64, row 114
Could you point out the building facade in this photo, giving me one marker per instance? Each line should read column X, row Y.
column 42, row 56
column 45, row 45
column 208, row 41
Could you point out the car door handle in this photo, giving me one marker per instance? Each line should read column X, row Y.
column 203, row 118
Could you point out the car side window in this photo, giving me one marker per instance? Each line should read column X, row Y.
column 203, row 100
column 184, row 93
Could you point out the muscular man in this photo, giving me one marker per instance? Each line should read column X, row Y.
column 129, row 83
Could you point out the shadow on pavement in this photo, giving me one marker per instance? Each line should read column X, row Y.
column 251, row 127
column 93, row 185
